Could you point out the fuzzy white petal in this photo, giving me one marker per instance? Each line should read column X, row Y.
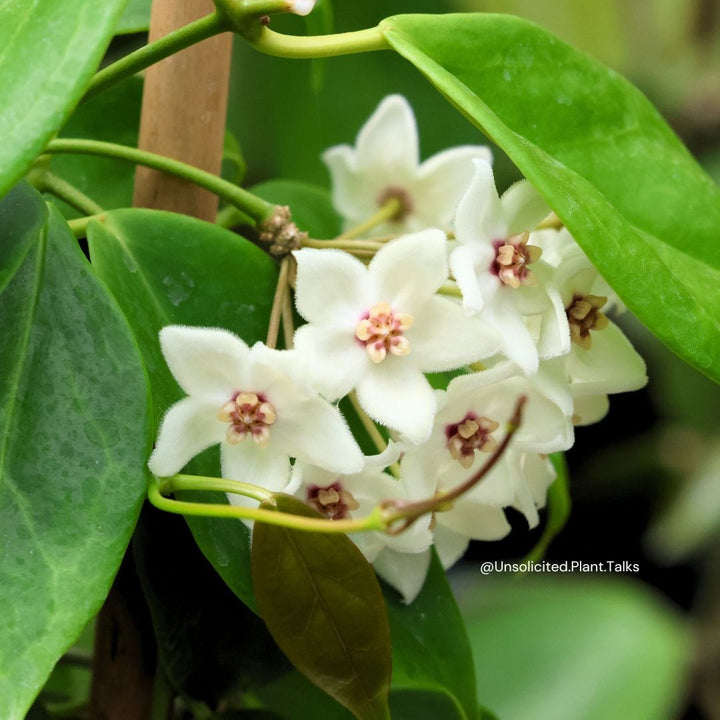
column 407, row 271
column 539, row 474
column 450, row 545
column 204, row 361
column 475, row 520
column 523, row 208
column 267, row 467
column 463, row 263
column 315, row 431
column 611, row 365
column 442, row 180
column 330, row 286
column 189, row 427
column 479, row 214
column 590, row 409
column 406, row 572
column 554, row 339
column 354, row 194
column 517, row 342
column 444, row 336
column 389, row 138
column 398, row 395
column 334, row 361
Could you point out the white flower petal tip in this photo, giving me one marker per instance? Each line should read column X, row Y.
column 301, row 7
column 384, row 164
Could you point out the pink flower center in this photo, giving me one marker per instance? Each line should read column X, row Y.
column 381, row 332
column 512, row 256
column 248, row 414
column 332, row 501
column 470, row 434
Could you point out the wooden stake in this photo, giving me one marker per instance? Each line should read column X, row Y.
column 183, row 115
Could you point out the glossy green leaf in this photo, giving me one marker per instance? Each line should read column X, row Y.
column 74, row 437
column 622, row 182
column 323, row 605
column 575, row 648
column 49, row 53
column 135, row 18
column 558, row 509
column 431, row 651
column 112, row 116
column 169, row 269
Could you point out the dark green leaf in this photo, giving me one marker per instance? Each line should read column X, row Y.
column 209, row 642
column 112, row 116
column 234, row 166
column 558, row 508
column 322, row 604
column 622, row 182
column 170, row 269
column 591, row 649
column 294, row 697
column 50, row 51
column 74, row 440
column 431, row 651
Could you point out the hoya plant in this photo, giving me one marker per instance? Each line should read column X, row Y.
column 259, row 395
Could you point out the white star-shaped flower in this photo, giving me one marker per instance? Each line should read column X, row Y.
column 385, row 164
column 378, row 329
column 255, row 403
column 469, row 425
column 595, row 356
column 497, row 270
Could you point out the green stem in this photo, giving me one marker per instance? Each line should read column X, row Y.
column 295, row 522
column 165, row 46
column 344, row 244
column 257, row 208
column 318, row 46
column 46, row 181
column 387, row 211
column 199, row 482
column 288, row 322
column 79, row 225
column 162, row 697
column 278, row 299
column 230, row 216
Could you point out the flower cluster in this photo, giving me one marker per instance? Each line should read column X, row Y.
column 470, row 285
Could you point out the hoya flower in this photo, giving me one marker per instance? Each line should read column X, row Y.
column 470, row 423
column 378, row 329
column 599, row 359
column 384, row 164
column 340, row 497
column 497, row 269
column 254, row 402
